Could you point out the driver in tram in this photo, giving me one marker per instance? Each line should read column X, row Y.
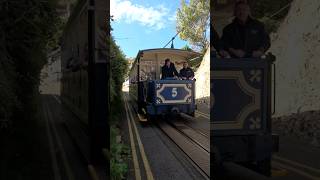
column 245, row 37
column 168, row 70
column 186, row 72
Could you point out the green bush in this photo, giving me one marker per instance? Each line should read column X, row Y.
column 27, row 33
column 119, row 155
column 119, row 68
column 119, row 152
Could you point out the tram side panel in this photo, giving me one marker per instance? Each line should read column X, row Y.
column 74, row 89
column 240, row 111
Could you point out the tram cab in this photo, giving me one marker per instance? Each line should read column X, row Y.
column 155, row 96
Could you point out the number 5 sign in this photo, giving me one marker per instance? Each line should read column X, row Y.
column 174, row 92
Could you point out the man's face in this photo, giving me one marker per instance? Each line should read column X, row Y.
column 242, row 12
column 168, row 63
column 185, row 65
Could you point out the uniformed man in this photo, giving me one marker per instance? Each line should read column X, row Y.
column 245, row 37
column 217, row 45
column 168, row 70
column 186, row 72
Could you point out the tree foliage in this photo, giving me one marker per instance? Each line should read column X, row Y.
column 118, row 151
column 119, row 67
column 187, row 48
column 27, row 30
column 193, row 23
column 270, row 12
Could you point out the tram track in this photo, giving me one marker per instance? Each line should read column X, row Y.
column 192, row 143
column 192, row 133
column 187, row 123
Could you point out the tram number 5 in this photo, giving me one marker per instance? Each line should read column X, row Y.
column 174, row 92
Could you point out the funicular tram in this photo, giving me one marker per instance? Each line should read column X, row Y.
column 241, row 109
column 154, row 96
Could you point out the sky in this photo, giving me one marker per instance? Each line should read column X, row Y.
column 144, row 24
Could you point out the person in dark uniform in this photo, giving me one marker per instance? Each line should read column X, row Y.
column 186, row 72
column 217, row 45
column 168, row 70
column 245, row 37
column 216, row 39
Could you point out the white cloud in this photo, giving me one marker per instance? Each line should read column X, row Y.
column 153, row 17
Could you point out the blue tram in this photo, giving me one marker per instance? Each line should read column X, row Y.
column 241, row 112
column 155, row 96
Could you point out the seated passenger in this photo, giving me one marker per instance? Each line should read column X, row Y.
column 217, row 45
column 216, row 39
column 168, row 70
column 245, row 37
column 186, row 72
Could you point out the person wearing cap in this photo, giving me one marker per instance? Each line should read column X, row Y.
column 245, row 37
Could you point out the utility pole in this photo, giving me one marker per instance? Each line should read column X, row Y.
column 98, row 73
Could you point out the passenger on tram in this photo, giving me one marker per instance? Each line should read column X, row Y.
column 168, row 70
column 186, row 72
column 217, row 45
column 216, row 39
column 245, row 37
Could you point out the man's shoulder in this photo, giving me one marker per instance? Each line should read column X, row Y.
column 229, row 27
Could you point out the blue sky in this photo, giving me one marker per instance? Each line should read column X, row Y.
column 144, row 24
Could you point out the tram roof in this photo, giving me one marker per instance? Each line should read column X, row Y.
column 146, row 53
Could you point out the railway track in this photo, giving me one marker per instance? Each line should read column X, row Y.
column 188, row 123
column 194, row 144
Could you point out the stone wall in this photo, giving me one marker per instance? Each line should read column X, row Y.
column 202, row 77
column 297, row 47
column 305, row 126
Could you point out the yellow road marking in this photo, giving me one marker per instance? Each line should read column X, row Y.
column 142, row 152
column 279, row 172
column 144, row 111
column 133, row 147
column 92, row 172
column 141, row 118
column 296, row 171
column 296, row 164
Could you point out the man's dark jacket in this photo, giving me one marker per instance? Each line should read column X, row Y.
column 248, row 37
column 216, row 39
column 186, row 72
column 169, row 71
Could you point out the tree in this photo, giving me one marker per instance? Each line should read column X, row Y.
column 28, row 31
column 187, row 48
column 193, row 23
